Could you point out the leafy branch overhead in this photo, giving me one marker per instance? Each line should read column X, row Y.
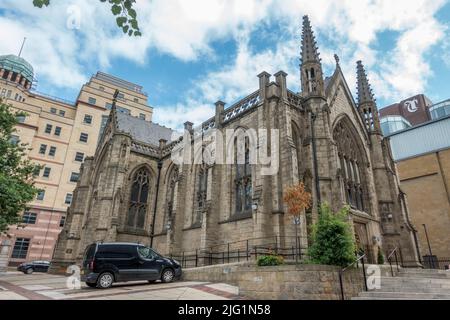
column 126, row 16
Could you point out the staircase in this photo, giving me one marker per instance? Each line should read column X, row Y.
column 412, row 284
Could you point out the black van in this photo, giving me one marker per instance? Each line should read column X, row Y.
column 106, row 263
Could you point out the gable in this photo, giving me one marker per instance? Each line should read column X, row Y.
column 341, row 103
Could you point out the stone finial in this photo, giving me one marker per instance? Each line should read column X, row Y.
column 188, row 126
column 336, row 57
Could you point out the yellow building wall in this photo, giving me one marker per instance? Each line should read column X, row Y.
column 425, row 180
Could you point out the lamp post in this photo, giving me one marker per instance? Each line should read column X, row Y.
column 429, row 246
column 297, row 222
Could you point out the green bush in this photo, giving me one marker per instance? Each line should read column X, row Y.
column 270, row 260
column 380, row 258
column 333, row 242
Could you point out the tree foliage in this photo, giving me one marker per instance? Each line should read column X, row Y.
column 297, row 199
column 16, row 172
column 333, row 242
column 126, row 16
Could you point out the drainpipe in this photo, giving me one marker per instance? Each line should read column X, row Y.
column 156, row 204
column 316, row 167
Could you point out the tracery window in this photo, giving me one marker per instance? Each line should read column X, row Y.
column 140, row 188
column 170, row 198
column 243, row 179
column 351, row 163
column 202, row 189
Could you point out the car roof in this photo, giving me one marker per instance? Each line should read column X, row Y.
column 119, row 244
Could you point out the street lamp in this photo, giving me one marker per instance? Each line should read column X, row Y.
column 429, row 246
column 297, row 221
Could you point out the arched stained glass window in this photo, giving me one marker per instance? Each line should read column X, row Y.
column 140, row 189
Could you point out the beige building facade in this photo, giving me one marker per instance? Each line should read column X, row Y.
column 60, row 134
column 422, row 155
column 132, row 190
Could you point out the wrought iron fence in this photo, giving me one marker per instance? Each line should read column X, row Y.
column 290, row 248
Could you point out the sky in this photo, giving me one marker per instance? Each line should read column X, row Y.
column 195, row 52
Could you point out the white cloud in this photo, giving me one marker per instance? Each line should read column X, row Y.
column 186, row 30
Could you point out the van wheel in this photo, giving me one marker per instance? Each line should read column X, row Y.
column 167, row 276
column 105, row 280
column 29, row 271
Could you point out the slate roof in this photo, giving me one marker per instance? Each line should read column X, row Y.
column 143, row 131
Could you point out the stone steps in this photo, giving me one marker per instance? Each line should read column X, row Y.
column 412, row 284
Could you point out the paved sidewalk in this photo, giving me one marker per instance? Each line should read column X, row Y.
column 40, row 286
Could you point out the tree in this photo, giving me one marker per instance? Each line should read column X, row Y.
column 333, row 242
column 16, row 172
column 126, row 16
column 297, row 200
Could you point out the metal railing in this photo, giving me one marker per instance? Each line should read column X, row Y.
column 342, row 271
column 245, row 250
column 390, row 257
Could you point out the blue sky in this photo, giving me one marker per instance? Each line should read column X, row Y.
column 193, row 53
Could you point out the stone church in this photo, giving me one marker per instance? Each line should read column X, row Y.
column 132, row 191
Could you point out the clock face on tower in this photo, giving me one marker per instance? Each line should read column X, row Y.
column 412, row 105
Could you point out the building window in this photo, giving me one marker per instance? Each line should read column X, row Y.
column 202, row 188
column 62, row 222
column 8, row 94
column 102, row 88
column 43, row 149
column 48, row 128
column 47, row 171
column 243, row 177
column 14, row 140
column 29, row 218
column 79, row 157
column 41, row 195
column 140, row 189
column 136, row 100
column 108, row 106
column 123, row 110
column 20, row 119
column 142, row 116
column 121, row 96
column 74, row 177
column 87, row 119
column 53, row 110
column 62, row 113
column 69, row 198
column 20, row 249
column 84, row 137
column 52, row 151
column 58, row 131
column 92, row 100
column 170, row 198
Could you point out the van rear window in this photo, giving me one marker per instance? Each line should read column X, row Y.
column 90, row 251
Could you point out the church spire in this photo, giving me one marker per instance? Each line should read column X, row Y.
column 311, row 67
column 366, row 101
column 310, row 51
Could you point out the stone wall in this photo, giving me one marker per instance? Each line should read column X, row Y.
column 288, row 282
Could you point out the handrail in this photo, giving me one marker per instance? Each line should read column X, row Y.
column 393, row 253
column 341, row 273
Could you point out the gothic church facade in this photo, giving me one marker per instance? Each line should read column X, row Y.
column 131, row 191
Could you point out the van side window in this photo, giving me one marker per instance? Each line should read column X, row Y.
column 146, row 253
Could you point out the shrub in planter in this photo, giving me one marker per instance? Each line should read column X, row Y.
column 270, row 260
column 333, row 242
